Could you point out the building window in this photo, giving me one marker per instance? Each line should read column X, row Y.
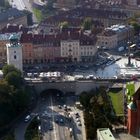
column 29, row 54
column 15, row 57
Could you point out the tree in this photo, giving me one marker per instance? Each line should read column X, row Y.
column 85, row 99
column 134, row 21
column 14, row 98
column 136, row 28
column 87, row 24
column 64, row 24
column 14, row 78
column 5, row 91
column 10, row 68
column 7, row 110
column 20, row 100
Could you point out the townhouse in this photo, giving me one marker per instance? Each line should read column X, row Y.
column 65, row 46
column 78, row 47
column 3, row 40
column 115, row 35
column 107, row 39
column 38, row 49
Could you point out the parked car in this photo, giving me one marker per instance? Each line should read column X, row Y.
column 61, row 121
column 27, row 118
column 79, row 123
column 50, row 127
column 120, row 49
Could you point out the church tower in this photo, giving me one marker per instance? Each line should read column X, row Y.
column 14, row 52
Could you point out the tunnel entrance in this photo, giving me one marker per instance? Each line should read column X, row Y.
column 53, row 92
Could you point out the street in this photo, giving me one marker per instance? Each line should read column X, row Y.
column 59, row 119
column 23, row 5
column 19, row 4
column 54, row 122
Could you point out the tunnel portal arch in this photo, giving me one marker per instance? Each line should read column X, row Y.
column 52, row 91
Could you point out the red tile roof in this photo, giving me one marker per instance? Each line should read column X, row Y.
column 55, row 39
column 10, row 28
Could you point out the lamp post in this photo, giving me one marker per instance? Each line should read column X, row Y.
column 129, row 57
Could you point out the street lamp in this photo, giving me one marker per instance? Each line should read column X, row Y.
column 129, row 57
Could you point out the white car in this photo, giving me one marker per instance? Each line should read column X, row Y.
column 79, row 123
column 27, row 118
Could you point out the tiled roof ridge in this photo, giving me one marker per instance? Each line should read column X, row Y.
column 41, row 38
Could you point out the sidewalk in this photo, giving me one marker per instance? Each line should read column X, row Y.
column 83, row 126
column 137, row 85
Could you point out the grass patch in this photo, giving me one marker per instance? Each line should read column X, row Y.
column 38, row 14
column 117, row 101
column 131, row 88
column 32, row 130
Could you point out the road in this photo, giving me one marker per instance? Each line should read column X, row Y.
column 54, row 123
column 19, row 4
column 23, row 5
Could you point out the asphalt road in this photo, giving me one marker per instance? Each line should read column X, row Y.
column 50, row 112
column 19, row 4
column 55, row 123
column 23, row 5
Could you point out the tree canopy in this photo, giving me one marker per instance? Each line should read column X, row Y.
column 97, row 112
column 14, row 97
column 64, row 24
column 87, row 24
column 134, row 21
column 10, row 68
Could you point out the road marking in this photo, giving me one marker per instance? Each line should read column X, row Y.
column 52, row 107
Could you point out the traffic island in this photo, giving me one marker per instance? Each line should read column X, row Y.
column 32, row 131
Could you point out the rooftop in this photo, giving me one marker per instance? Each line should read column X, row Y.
column 6, row 36
column 119, row 28
column 106, row 134
column 14, row 28
column 55, row 39
column 132, row 106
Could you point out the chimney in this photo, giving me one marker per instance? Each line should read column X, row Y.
column 69, row 35
column 8, row 25
column 20, row 26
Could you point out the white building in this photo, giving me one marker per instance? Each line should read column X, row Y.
column 104, row 134
column 71, row 49
column 14, row 52
column 107, row 39
column 78, row 47
column 132, row 2
column 115, row 35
